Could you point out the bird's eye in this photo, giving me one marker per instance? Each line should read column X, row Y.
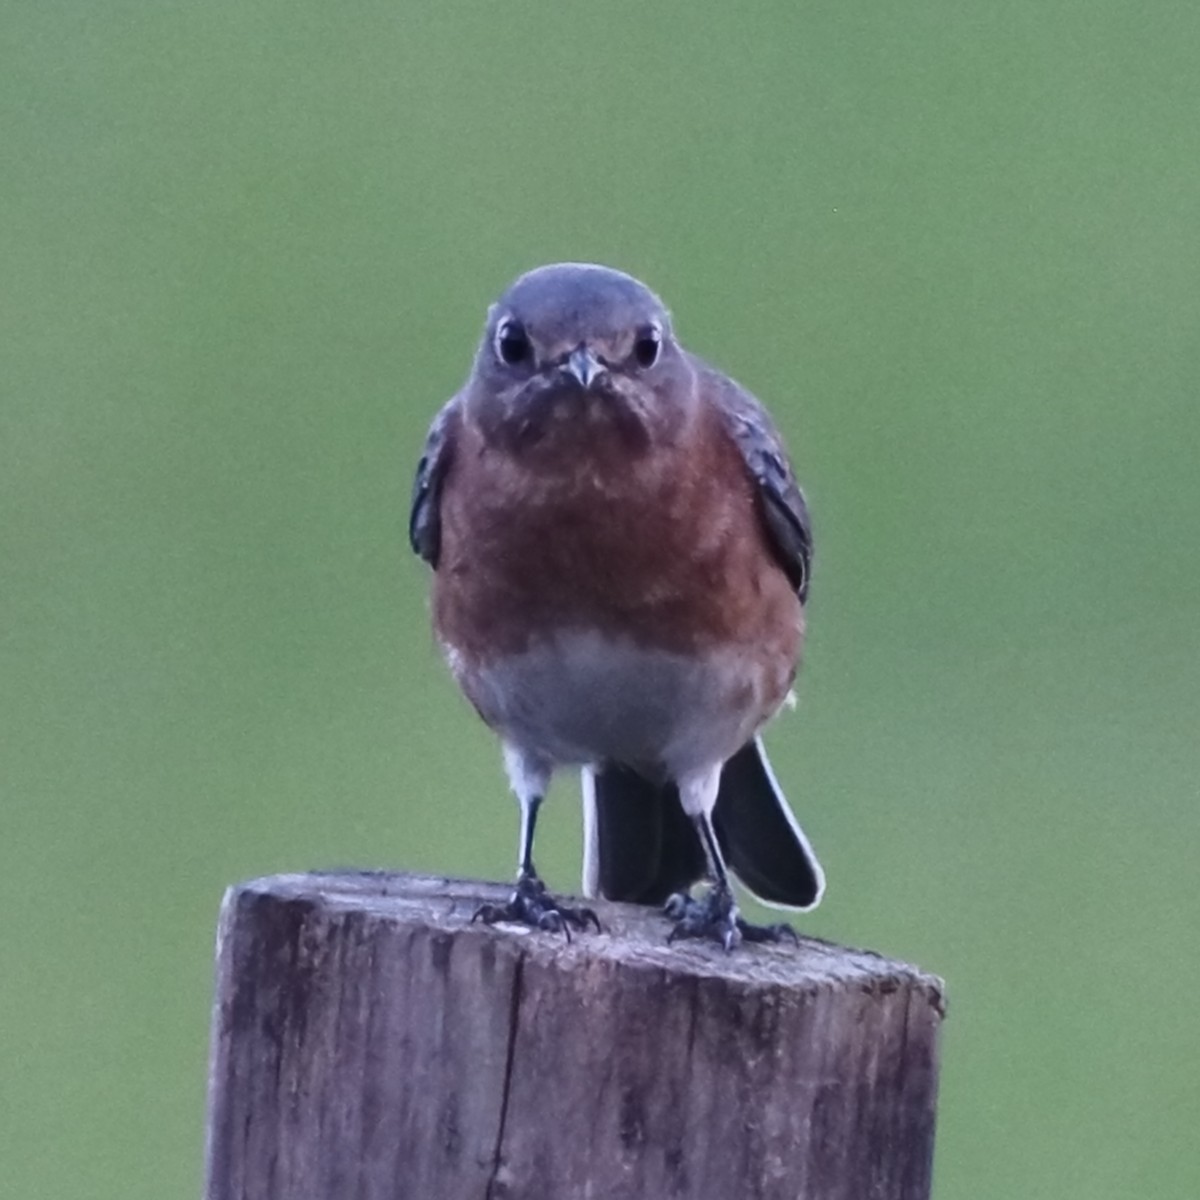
column 646, row 346
column 512, row 343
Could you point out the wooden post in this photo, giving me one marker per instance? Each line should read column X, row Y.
column 370, row 1043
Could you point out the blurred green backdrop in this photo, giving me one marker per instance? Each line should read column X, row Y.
column 246, row 249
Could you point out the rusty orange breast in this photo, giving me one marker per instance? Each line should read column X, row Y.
column 662, row 544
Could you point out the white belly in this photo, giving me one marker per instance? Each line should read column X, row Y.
column 582, row 698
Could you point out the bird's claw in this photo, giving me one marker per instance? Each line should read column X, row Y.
column 531, row 904
column 716, row 918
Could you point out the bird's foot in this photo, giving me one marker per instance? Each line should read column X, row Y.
column 716, row 918
column 531, row 904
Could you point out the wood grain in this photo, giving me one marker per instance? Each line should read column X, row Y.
column 370, row 1043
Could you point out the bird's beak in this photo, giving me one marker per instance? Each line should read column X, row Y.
column 584, row 365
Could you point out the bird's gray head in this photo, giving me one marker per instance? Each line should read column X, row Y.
column 573, row 348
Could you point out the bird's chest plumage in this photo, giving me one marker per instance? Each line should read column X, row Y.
column 603, row 604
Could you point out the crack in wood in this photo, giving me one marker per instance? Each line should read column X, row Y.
column 514, row 1016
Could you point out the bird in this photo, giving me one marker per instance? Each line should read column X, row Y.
column 621, row 562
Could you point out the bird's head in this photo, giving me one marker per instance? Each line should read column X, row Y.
column 575, row 348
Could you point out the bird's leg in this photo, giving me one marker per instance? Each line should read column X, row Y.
column 531, row 904
column 715, row 917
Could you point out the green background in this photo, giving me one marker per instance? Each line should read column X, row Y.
column 245, row 252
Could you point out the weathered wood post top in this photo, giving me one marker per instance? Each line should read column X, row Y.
column 370, row 1043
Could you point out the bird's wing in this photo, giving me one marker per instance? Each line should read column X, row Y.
column 781, row 501
column 425, row 518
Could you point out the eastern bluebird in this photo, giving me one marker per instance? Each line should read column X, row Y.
column 621, row 560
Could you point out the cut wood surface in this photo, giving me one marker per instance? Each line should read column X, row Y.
column 370, row 1043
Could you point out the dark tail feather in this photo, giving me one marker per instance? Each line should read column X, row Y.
column 763, row 844
column 640, row 845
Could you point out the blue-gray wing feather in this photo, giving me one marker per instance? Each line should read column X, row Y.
column 784, row 511
column 425, row 518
